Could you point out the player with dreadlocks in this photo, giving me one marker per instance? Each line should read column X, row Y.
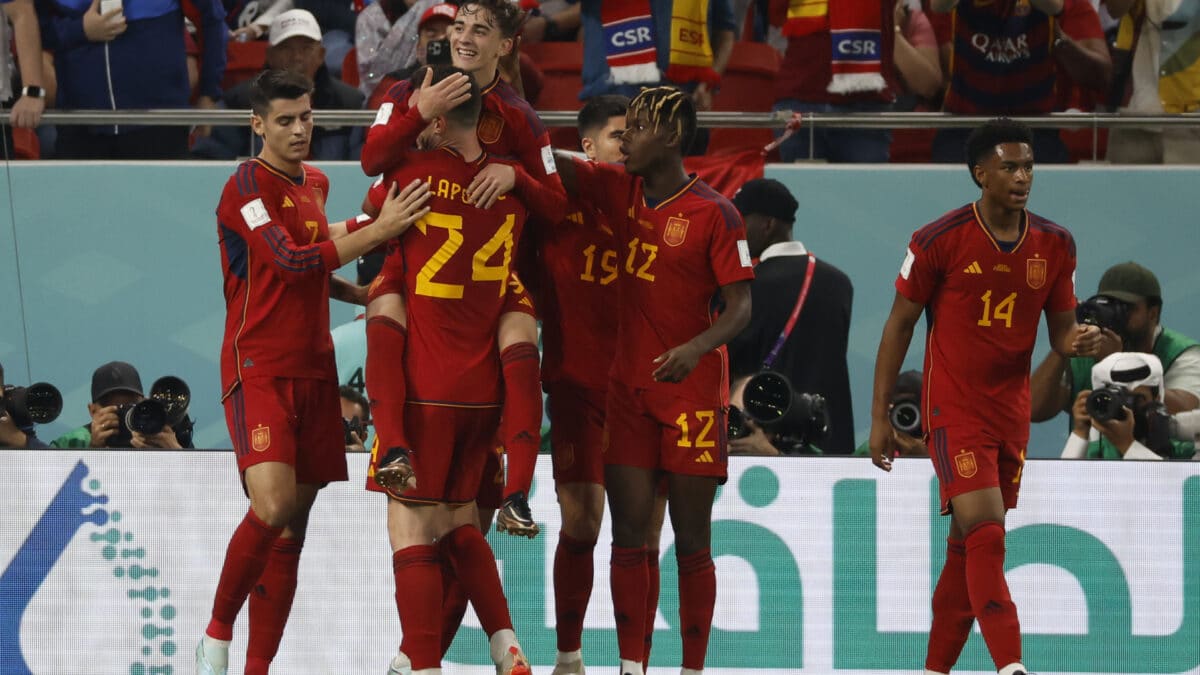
column 684, row 250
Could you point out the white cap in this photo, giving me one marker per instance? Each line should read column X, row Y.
column 292, row 23
column 1129, row 370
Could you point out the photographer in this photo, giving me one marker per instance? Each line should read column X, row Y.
column 1123, row 416
column 1128, row 308
column 356, row 417
column 748, row 438
column 904, row 413
column 813, row 354
column 115, row 387
column 12, row 434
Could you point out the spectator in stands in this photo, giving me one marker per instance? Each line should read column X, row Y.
column 788, row 276
column 1004, row 58
column 1157, row 38
column 1141, row 429
column 394, row 35
column 115, row 386
column 23, row 96
column 252, row 19
column 296, row 46
column 336, row 19
column 1134, row 293
column 129, row 59
column 551, row 21
column 12, row 435
column 356, row 414
column 904, row 412
column 813, row 82
column 688, row 53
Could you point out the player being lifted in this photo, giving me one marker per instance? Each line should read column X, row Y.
column 575, row 283
column 682, row 246
column 983, row 274
column 277, row 368
column 482, row 34
column 451, row 271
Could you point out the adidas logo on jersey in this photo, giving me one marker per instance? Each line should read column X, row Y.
column 704, row 458
column 287, row 203
column 973, row 268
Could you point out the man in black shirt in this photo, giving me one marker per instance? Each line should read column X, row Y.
column 814, row 355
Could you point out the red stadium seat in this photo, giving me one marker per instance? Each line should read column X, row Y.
column 350, row 68
column 561, row 64
column 747, row 86
column 243, row 60
column 26, row 144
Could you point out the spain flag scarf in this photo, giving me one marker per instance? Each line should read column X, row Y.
column 631, row 49
column 855, row 35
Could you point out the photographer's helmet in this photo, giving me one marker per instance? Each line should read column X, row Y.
column 1129, row 370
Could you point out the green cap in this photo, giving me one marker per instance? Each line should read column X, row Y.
column 1129, row 282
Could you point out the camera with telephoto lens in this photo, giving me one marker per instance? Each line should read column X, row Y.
column 736, row 424
column 798, row 419
column 1109, row 402
column 905, row 417
column 1151, row 422
column 1105, row 312
column 354, row 426
column 39, row 403
column 167, row 405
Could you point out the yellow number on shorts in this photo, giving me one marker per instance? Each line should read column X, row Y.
column 501, row 241
column 707, row 417
column 1003, row 311
column 481, row 270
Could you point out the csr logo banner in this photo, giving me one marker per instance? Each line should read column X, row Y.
column 824, row 565
column 856, row 45
column 630, row 36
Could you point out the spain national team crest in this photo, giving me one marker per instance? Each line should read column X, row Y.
column 490, row 128
column 260, row 438
column 965, row 464
column 1035, row 272
column 676, row 231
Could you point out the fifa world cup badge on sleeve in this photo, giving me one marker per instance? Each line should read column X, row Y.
column 548, row 160
column 906, row 266
column 255, row 214
column 384, row 114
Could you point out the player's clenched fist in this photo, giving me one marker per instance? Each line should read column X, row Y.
column 1088, row 340
column 883, row 444
column 404, row 207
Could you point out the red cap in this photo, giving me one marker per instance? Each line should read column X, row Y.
column 443, row 10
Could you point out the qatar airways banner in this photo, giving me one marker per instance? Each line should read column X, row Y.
column 108, row 562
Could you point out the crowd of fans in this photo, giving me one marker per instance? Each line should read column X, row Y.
column 1007, row 57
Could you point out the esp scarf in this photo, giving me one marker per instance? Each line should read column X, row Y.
column 629, row 41
column 855, row 36
column 691, row 57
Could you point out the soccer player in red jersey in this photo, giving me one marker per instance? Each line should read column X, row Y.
column 577, row 267
column 983, row 274
column 453, row 271
column 682, row 246
column 277, row 366
column 482, row 34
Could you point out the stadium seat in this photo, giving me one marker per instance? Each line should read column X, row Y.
column 562, row 71
column 350, row 68
column 747, row 86
column 243, row 60
column 26, row 144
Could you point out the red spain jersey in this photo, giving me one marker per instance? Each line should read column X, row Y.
column 983, row 306
column 578, row 267
column 674, row 257
column 456, row 264
column 276, row 257
column 508, row 128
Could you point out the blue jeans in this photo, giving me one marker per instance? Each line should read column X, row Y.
column 836, row 144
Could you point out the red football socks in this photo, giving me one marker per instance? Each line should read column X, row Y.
column 952, row 616
column 385, row 381
column 270, row 604
column 573, row 571
column 697, row 597
column 521, row 421
column 629, row 580
column 654, row 579
column 244, row 562
column 988, row 590
column 419, row 597
column 454, row 602
column 475, row 566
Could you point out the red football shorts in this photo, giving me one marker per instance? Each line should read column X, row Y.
column 516, row 297
column 391, row 275
column 451, row 447
column 968, row 459
column 576, row 433
column 654, row 430
column 294, row 421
